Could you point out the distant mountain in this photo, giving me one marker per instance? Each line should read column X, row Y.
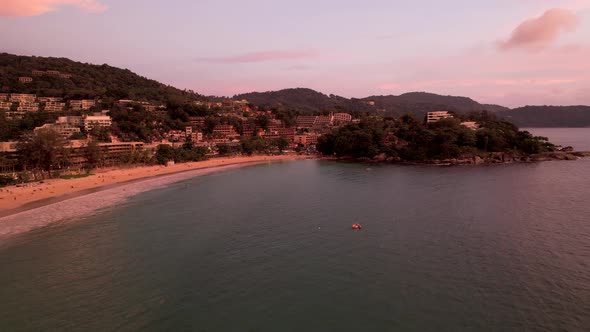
column 82, row 80
column 302, row 99
column 549, row 116
column 421, row 102
column 415, row 102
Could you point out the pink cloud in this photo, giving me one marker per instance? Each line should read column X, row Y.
column 38, row 7
column 539, row 32
column 264, row 56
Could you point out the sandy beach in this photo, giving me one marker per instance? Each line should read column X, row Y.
column 16, row 199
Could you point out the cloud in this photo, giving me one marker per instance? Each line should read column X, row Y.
column 263, row 57
column 38, row 7
column 538, row 33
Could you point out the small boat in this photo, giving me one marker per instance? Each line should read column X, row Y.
column 357, row 226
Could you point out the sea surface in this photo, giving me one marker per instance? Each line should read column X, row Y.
column 270, row 248
column 578, row 138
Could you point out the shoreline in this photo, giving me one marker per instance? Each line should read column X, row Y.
column 14, row 200
column 83, row 203
column 495, row 158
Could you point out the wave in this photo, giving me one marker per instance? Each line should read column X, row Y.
column 86, row 204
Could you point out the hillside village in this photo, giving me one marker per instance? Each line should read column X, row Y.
column 78, row 116
column 217, row 127
column 222, row 126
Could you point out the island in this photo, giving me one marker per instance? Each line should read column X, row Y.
column 443, row 138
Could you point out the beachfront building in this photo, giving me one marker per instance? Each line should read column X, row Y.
column 437, row 116
column 197, row 121
column 66, row 130
column 196, row 137
column 323, row 121
column 342, row 118
column 25, row 79
column 8, row 157
column 306, row 139
column 286, row 133
column 98, row 119
column 22, row 98
column 27, row 107
column 8, row 146
column 176, row 135
column 112, row 153
column 66, row 126
column 3, row 96
column 82, row 105
column 14, row 115
column 225, row 131
column 49, row 99
column 54, row 106
column 5, row 105
column 305, row 121
column 76, row 121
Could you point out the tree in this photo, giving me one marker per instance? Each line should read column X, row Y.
column 282, row 144
column 224, row 149
column 263, row 121
column 93, row 154
column 210, row 124
column 43, row 149
column 102, row 134
column 164, row 154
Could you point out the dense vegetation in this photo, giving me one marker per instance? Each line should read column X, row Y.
column 409, row 139
column 187, row 152
column 87, row 82
column 90, row 81
column 549, row 116
column 303, row 100
column 419, row 103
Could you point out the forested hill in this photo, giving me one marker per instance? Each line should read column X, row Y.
column 549, row 116
column 417, row 103
column 421, row 102
column 303, row 99
column 86, row 81
column 75, row 80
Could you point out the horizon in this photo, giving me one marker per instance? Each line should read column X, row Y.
column 531, row 53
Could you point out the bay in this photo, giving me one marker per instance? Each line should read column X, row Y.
column 270, row 248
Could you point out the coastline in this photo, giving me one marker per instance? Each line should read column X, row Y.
column 15, row 200
column 494, row 158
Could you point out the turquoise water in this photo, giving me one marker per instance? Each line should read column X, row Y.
column 269, row 248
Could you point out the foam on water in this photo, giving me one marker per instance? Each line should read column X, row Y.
column 87, row 204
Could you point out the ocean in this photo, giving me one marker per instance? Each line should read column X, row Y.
column 270, row 248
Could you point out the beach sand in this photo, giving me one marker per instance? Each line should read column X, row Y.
column 60, row 200
column 15, row 199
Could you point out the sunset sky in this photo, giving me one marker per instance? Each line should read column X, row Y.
column 508, row 52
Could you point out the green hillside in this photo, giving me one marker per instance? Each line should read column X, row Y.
column 302, row 99
column 549, row 116
column 87, row 81
column 415, row 102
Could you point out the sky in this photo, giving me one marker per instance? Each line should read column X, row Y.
column 507, row 52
